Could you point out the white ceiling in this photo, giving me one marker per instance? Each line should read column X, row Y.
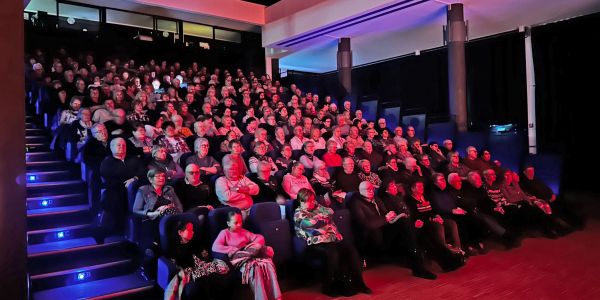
column 420, row 28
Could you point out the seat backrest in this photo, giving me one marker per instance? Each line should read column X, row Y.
column 166, row 229
column 265, row 219
column 296, row 154
column 343, row 221
column 320, row 152
column 132, row 192
column 183, row 159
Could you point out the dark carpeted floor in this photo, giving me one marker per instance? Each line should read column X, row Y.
column 565, row 268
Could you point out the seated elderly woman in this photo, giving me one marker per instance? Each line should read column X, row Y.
column 200, row 275
column 337, row 138
column 172, row 142
column 331, row 157
column 324, row 186
column 151, row 203
column 365, row 173
column 139, row 144
column 138, row 114
column 80, row 129
column 248, row 253
column 260, row 151
column 235, row 154
column 295, row 180
column 315, row 136
column 354, row 137
column 68, row 116
column 260, row 135
column 208, row 165
column 156, row 199
column 163, row 162
column 314, row 224
column 403, row 151
column 285, row 161
column 431, row 228
column 308, row 159
column 235, row 189
column 182, row 131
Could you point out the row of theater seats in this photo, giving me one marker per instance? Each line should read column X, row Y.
column 264, row 218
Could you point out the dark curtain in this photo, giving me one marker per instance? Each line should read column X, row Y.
column 567, row 62
column 496, row 86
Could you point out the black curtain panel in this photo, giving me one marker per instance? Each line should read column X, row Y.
column 567, row 64
column 496, row 86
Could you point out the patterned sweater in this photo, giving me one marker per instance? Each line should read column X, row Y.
column 316, row 226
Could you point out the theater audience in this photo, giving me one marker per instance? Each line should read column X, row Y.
column 207, row 164
column 139, row 144
column 165, row 163
column 268, row 185
column 331, row 157
column 347, row 179
column 308, row 159
column 455, row 166
column 260, row 151
column 192, row 192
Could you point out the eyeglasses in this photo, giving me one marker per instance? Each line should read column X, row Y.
column 193, row 172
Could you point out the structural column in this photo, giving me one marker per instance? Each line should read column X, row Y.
column 530, row 77
column 457, row 79
column 13, row 226
column 272, row 67
column 344, row 67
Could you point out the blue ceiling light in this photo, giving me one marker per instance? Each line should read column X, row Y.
column 31, row 178
column 45, row 203
column 60, row 234
column 81, row 276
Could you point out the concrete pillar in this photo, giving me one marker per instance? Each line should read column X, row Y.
column 268, row 67
column 457, row 79
column 344, row 66
column 13, row 222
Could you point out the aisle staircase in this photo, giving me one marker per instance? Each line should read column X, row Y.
column 64, row 260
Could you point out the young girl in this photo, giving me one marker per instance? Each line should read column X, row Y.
column 248, row 252
column 200, row 275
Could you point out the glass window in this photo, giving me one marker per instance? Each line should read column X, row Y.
column 166, row 25
column 197, row 30
column 79, row 12
column 48, row 6
column 228, row 36
column 80, row 18
column 129, row 19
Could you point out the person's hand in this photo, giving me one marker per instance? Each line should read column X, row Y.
column 419, row 170
column 499, row 210
column 269, row 251
column 402, row 215
column 390, row 216
column 553, row 198
column 419, row 223
column 243, row 189
column 497, row 163
column 438, row 219
column 152, row 215
column 128, row 182
column 459, row 211
column 147, row 149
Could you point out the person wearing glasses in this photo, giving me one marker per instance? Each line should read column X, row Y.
column 192, row 192
column 207, row 164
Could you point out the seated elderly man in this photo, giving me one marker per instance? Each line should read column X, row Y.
column 473, row 162
column 192, row 192
column 118, row 126
column 308, row 159
column 455, row 166
column 118, row 172
column 347, row 179
column 269, row 188
column 103, row 113
column 234, row 189
column 381, row 229
column 537, row 188
column 260, row 155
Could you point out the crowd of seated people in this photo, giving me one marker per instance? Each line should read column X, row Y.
column 236, row 139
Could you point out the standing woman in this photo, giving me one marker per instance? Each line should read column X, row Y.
column 248, row 253
column 314, row 223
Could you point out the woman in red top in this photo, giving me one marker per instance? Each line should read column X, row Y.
column 331, row 158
